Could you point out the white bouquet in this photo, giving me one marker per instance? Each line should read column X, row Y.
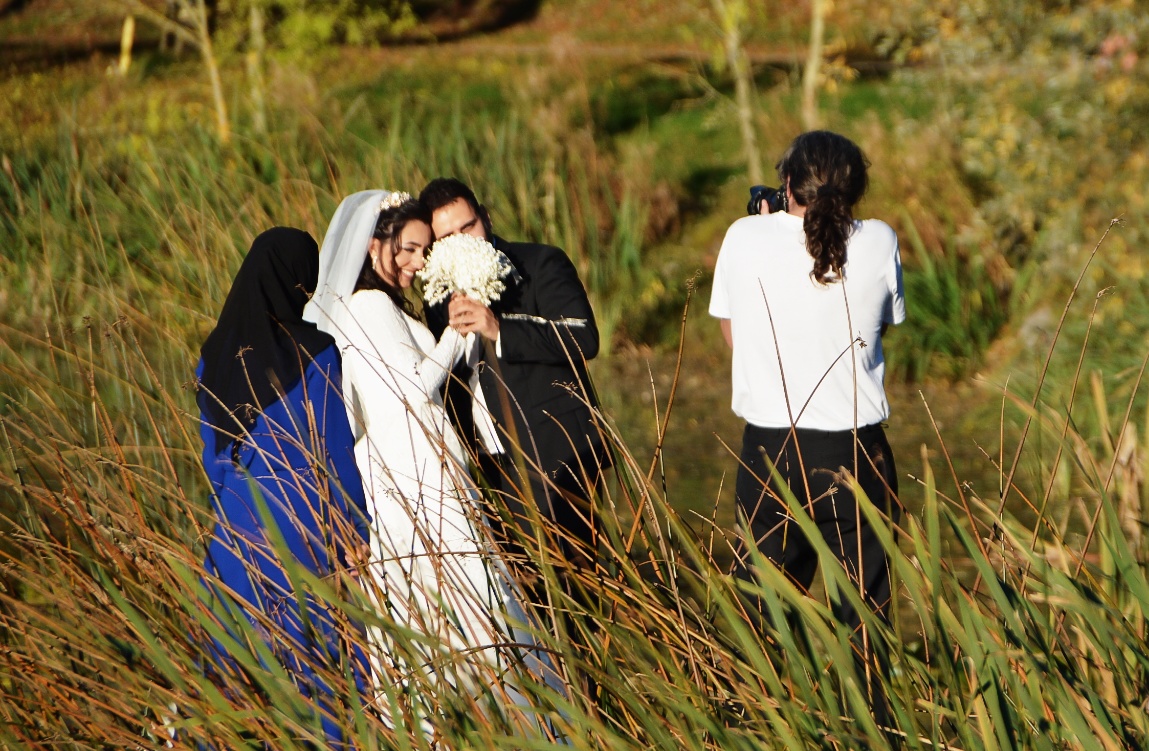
column 467, row 264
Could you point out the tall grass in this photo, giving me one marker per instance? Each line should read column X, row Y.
column 1031, row 637
column 92, row 205
column 955, row 312
column 117, row 252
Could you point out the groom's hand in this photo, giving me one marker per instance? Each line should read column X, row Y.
column 467, row 316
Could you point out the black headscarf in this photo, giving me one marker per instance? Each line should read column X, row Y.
column 261, row 344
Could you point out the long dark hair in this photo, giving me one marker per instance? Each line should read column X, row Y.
column 387, row 230
column 827, row 174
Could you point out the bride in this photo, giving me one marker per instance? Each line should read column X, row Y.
column 429, row 571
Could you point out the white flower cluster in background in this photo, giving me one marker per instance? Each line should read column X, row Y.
column 467, row 264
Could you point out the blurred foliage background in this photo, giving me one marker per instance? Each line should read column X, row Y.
column 1003, row 141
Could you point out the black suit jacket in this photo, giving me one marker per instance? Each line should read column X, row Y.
column 538, row 390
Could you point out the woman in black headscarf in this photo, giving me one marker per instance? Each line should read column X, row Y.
column 278, row 451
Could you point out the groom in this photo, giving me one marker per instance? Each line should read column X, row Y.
column 536, row 397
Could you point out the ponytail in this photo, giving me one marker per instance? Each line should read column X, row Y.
column 828, row 224
column 826, row 173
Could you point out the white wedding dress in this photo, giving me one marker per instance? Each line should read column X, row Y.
column 446, row 602
column 429, row 570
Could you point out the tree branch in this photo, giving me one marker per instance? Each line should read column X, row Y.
column 156, row 18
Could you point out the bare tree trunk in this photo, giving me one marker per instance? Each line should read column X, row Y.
column 198, row 34
column 169, row 40
column 127, row 39
column 255, row 70
column 174, row 31
column 203, row 33
column 810, row 119
column 732, row 14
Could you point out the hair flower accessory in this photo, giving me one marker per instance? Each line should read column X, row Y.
column 394, row 200
column 467, row 264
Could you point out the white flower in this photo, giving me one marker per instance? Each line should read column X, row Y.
column 467, row 264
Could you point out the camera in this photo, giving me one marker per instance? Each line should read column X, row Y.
column 761, row 196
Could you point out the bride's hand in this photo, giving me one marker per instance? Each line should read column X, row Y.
column 470, row 316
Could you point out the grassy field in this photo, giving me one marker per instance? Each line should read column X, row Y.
column 1022, row 613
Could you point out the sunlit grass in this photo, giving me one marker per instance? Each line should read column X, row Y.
column 1027, row 638
column 1020, row 628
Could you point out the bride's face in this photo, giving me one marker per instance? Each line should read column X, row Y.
column 399, row 267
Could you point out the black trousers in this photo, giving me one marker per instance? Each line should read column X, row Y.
column 570, row 531
column 562, row 499
column 809, row 463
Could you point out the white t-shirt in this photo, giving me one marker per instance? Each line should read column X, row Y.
column 793, row 359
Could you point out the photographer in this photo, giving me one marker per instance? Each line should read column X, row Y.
column 803, row 295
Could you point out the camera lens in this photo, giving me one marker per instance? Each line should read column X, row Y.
column 776, row 200
column 757, row 193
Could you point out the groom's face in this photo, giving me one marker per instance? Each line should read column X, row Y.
column 457, row 218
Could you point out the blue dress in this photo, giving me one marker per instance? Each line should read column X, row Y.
column 320, row 516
